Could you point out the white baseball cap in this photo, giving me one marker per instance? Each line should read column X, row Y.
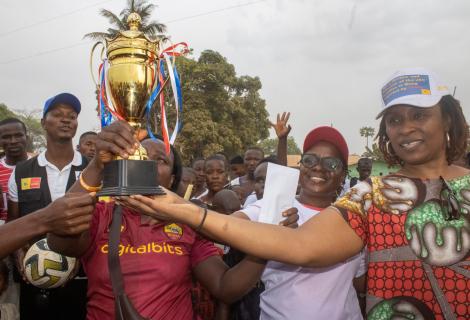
column 417, row 87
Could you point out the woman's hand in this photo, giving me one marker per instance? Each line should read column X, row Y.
column 117, row 139
column 161, row 207
column 291, row 218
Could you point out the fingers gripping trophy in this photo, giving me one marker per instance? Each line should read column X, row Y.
column 132, row 76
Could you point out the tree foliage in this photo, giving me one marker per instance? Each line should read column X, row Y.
column 367, row 132
column 36, row 137
column 222, row 111
column 374, row 153
column 143, row 8
column 269, row 146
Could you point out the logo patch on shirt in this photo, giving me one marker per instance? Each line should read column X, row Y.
column 173, row 231
column 30, row 183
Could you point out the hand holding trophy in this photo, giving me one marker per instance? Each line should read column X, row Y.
column 132, row 76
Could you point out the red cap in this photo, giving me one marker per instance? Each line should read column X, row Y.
column 328, row 134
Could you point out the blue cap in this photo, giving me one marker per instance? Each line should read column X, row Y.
column 63, row 98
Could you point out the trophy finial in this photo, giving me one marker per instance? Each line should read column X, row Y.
column 134, row 21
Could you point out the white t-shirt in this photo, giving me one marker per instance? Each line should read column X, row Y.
column 56, row 179
column 293, row 292
column 250, row 200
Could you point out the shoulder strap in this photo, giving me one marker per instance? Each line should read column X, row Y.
column 124, row 309
column 114, row 264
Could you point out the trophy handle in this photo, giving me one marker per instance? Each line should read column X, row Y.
column 91, row 59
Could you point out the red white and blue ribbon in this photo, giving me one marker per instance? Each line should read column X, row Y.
column 108, row 113
column 166, row 58
column 106, row 110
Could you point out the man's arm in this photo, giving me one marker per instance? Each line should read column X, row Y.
column 71, row 246
column 229, row 284
column 68, row 216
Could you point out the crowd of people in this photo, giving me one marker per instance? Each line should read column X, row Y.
column 377, row 247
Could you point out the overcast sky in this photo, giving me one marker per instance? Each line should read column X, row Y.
column 322, row 60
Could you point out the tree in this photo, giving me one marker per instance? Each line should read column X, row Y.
column 269, row 146
column 36, row 137
column 367, row 132
column 222, row 112
column 374, row 153
column 151, row 29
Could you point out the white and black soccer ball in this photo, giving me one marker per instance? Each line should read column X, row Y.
column 45, row 268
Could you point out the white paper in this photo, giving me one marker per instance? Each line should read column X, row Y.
column 279, row 192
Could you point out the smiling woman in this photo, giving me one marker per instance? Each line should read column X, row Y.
column 414, row 224
column 443, row 130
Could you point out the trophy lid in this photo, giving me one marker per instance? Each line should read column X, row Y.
column 133, row 38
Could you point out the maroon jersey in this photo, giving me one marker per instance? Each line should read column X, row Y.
column 156, row 262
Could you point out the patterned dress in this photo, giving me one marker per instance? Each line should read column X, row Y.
column 419, row 264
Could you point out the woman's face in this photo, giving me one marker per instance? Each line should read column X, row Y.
column 156, row 151
column 318, row 180
column 417, row 135
column 216, row 175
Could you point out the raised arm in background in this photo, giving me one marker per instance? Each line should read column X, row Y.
column 282, row 131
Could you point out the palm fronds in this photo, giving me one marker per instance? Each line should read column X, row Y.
column 96, row 36
column 144, row 9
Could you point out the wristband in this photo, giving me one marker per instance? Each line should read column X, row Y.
column 87, row 187
column 199, row 227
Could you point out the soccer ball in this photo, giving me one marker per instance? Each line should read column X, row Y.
column 45, row 268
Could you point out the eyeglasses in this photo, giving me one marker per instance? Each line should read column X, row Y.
column 449, row 203
column 310, row 160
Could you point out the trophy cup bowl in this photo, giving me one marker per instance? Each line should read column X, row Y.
column 130, row 82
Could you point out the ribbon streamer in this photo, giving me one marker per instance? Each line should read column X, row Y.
column 107, row 110
column 105, row 116
column 165, row 57
column 158, row 76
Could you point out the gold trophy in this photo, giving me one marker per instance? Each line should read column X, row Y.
column 132, row 61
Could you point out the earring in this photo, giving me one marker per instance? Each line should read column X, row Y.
column 448, row 140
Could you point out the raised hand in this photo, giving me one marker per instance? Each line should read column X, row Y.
column 281, row 127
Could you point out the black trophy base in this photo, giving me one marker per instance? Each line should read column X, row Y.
column 128, row 177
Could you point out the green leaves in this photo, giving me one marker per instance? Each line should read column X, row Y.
column 269, row 146
column 222, row 112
